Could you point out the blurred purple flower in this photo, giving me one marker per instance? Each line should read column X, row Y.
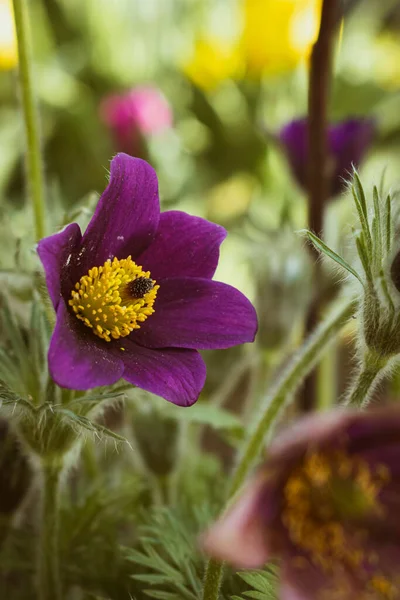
column 327, row 503
column 113, row 320
column 348, row 141
column 141, row 112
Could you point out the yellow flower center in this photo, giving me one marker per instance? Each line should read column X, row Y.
column 325, row 497
column 113, row 299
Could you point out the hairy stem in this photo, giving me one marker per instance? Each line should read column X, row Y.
column 270, row 411
column 49, row 567
column 31, row 116
column 367, row 378
column 213, row 579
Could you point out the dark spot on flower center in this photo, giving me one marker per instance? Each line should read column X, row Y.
column 140, row 286
column 395, row 271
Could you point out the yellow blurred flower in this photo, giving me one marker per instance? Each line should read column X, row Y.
column 278, row 34
column 231, row 198
column 387, row 61
column 213, row 61
column 8, row 40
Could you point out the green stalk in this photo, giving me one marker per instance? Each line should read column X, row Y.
column 271, row 410
column 49, row 565
column 327, row 379
column 291, row 378
column 31, row 116
column 366, row 380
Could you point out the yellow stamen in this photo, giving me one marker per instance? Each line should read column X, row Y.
column 104, row 301
column 321, row 495
column 383, row 587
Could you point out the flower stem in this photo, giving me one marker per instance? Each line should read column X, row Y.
column 366, row 380
column 31, row 116
column 272, row 408
column 49, row 567
column 292, row 376
column 213, row 579
column 318, row 176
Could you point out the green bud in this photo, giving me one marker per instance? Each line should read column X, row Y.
column 49, row 435
column 378, row 273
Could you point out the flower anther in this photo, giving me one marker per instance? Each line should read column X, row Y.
column 324, row 492
column 115, row 298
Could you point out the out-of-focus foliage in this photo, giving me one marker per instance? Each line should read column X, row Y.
column 231, row 74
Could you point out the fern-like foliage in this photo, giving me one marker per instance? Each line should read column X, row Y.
column 263, row 583
column 167, row 561
column 169, row 564
column 93, row 526
column 94, row 522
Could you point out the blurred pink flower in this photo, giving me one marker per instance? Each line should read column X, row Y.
column 141, row 112
column 326, row 503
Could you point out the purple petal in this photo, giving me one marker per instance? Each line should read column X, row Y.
column 293, row 137
column 76, row 359
column 239, row 535
column 184, row 246
column 176, row 375
column 305, row 581
column 349, row 142
column 126, row 217
column 385, row 454
column 374, row 429
column 55, row 253
column 316, row 430
column 198, row 313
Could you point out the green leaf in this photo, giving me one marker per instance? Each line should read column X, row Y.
column 377, row 229
column 11, row 399
column 361, row 205
column 359, row 192
column 206, row 414
column 84, row 404
column 168, row 556
column 319, row 244
column 362, row 253
column 388, row 223
column 17, row 344
column 40, row 333
column 162, row 595
column 9, row 369
column 264, row 582
column 91, row 426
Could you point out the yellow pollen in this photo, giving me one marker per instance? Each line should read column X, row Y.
column 385, row 589
column 103, row 300
column 321, row 495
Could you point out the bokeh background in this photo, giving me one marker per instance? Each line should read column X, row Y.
column 202, row 89
column 214, row 81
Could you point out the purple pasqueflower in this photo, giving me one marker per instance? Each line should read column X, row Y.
column 348, row 143
column 327, row 504
column 140, row 112
column 134, row 295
